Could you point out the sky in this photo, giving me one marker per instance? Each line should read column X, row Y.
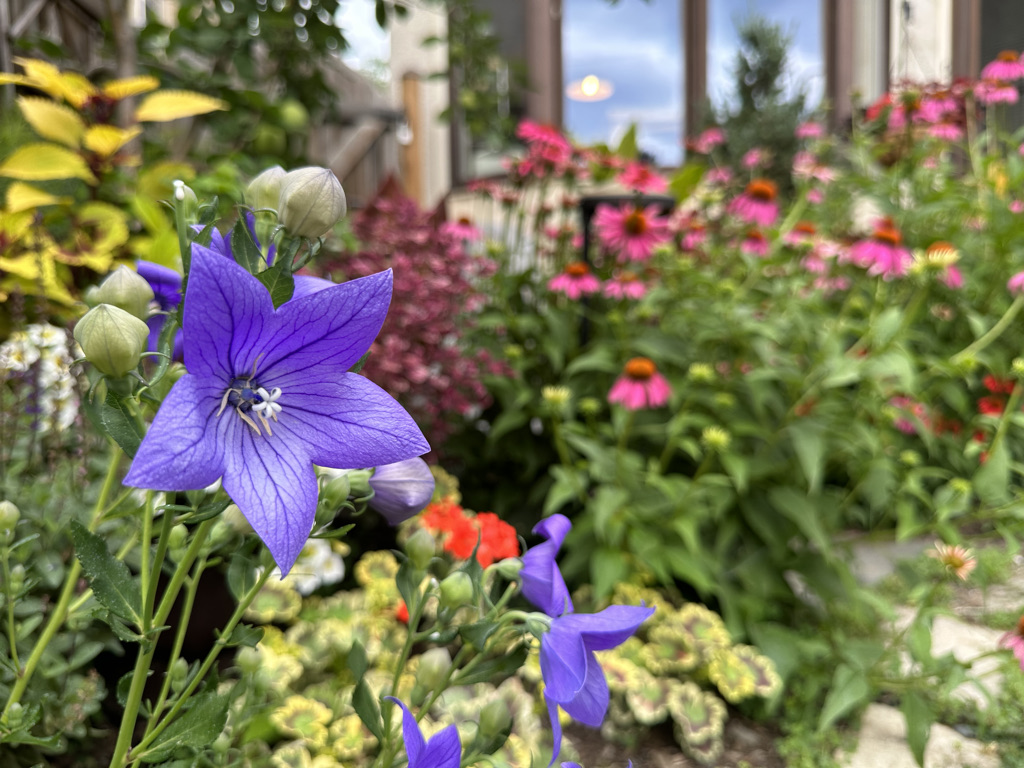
column 367, row 42
column 638, row 47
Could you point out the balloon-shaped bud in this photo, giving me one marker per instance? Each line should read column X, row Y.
column 113, row 340
column 420, row 547
column 433, row 668
column 495, row 718
column 402, row 489
column 311, row 203
column 125, row 289
column 456, row 590
column 265, row 190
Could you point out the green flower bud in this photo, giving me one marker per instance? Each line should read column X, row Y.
column 248, row 659
column 179, row 674
column 222, row 744
column 1017, row 367
column 265, row 190
column 9, row 515
column 311, row 203
column 495, row 718
column 420, row 548
column 359, row 482
column 185, row 197
column 125, row 289
column 590, row 406
column 509, row 568
column 17, row 578
column 177, row 538
column 113, row 340
column 221, row 533
column 433, row 667
column 456, row 590
column 336, row 490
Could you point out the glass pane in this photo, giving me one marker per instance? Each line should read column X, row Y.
column 635, row 51
column 800, row 19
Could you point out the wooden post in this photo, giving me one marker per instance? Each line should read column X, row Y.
column 412, row 156
column 695, row 47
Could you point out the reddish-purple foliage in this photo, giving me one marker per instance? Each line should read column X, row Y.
column 418, row 356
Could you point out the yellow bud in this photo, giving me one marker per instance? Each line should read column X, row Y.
column 113, row 340
column 311, row 203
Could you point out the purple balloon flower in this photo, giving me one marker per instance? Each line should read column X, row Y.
column 444, row 749
column 267, row 395
column 542, row 582
column 402, row 489
column 573, row 678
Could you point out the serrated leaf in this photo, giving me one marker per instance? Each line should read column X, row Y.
column 105, row 140
column 130, row 86
column 368, row 709
column 120, row 422
column 245, row 250
column 279, row 282
column 25, row 197
column 172, row 105
column 198, row 727
column 245, row 634
column 45, row 162
column 111, row 581
column 52, row 121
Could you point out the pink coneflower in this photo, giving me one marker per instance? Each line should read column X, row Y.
column 1016, row 206
column 806, row 166
column 883, row 253
column 576, row 281
column 720, row 176
column 1014, row 640
column 996, row 92
column 952, row 278
column 545, row 135
column 694, row 237
column 708, row 140
column 640, row 178
column 757, row 204
column 912, row 414
column 814, row 264
column 462, row 229
column 956, row 559
column 625, row 285
column 810, row 130
column 1006, row 66
column 815, row 196
column 640, row 386
column 946, row 131
column 1016, row 284
column 630, row 230
column 754, row 158
column 802, row 233
column 830, row 285
column 754, row 244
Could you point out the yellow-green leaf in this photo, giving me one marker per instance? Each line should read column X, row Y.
column 52, row 120
column 25, row 265
column 25, row 197
column 45, row 162
column 69, row 86
column 171, row 105
column 157, row 181
column 105, row 140
column 107, row 228
column 130, row 86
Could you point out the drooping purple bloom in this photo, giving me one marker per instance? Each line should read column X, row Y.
column 444, row 750
column 542, row 582
column 573, row 678
column 402, row 489
column 267, row 395
column 166, row 285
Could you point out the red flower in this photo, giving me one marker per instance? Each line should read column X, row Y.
column 998, row 386
column 498, row 539
column 402, row 612
column 991, row 405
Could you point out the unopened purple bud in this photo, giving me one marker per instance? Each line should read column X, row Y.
column 402, row 489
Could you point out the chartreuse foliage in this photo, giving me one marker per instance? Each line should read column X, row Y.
column 65, row 211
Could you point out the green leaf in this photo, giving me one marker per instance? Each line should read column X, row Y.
column 608, row 567
column 279, row 281
column 357, row 661
column 241, row 575
column 681, row 185
column 408, row 585
column 245, row 250
column 368, row 709
column 849, row 689
column 627, row 147
column 802, row 510
column 919, row 717
column 245, row 634
column 120, row 422
column 808, row 438
column 497, row 668
column 198, row 727
column 110, row 579
column 476, row 634
column 992, row 479
column 358, row 366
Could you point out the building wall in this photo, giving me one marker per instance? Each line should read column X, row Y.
column 921, row 40
column 430, row 133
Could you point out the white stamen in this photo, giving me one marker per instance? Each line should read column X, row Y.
column 269, row 408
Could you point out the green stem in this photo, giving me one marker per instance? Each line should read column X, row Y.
column 563, row 456
column 209, row 661
column 11, row 636
column 70, row 582
column 993, row 333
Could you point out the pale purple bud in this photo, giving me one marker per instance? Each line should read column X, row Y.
column 402, row 489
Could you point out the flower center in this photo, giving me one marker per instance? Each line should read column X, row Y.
column 762, row 189
column 1007, row 56
column 255, row 405
column 635, row 222
column 464, row 221
column 1020, row 627
column 577, row 269
column 628, row 277
column 889, row 235
column 805, row 228
column 755, row 236
column 640, row 369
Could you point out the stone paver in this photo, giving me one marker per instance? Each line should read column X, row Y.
column 882, row 744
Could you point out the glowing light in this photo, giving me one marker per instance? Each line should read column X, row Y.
column 590, row 88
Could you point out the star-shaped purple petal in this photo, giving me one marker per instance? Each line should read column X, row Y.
column 542, row 582
column 267, row 395
column 444, row 750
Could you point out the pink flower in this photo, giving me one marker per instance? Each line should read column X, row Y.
column 806, row 166
column 631, row 230
column 694, row 237
column 1016, row 284
column 1006, row 66
column 947, row 131
column 914, row 414
column 755, row 244
column 802, row 233
column 575, row 282
column 883, row 253
column 957, row 560
column 1014, row 640
column 757, row 204
column 754, row 158
column 640, row 386
column 996, row 92
column 708, row 140
column 815, row 196
column 641, row 178
column 1016, row 206
column 952, row 278
column 718, row 176
column 625, row 285
column 545, row 135
column 462, row 229
column 810, row 130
